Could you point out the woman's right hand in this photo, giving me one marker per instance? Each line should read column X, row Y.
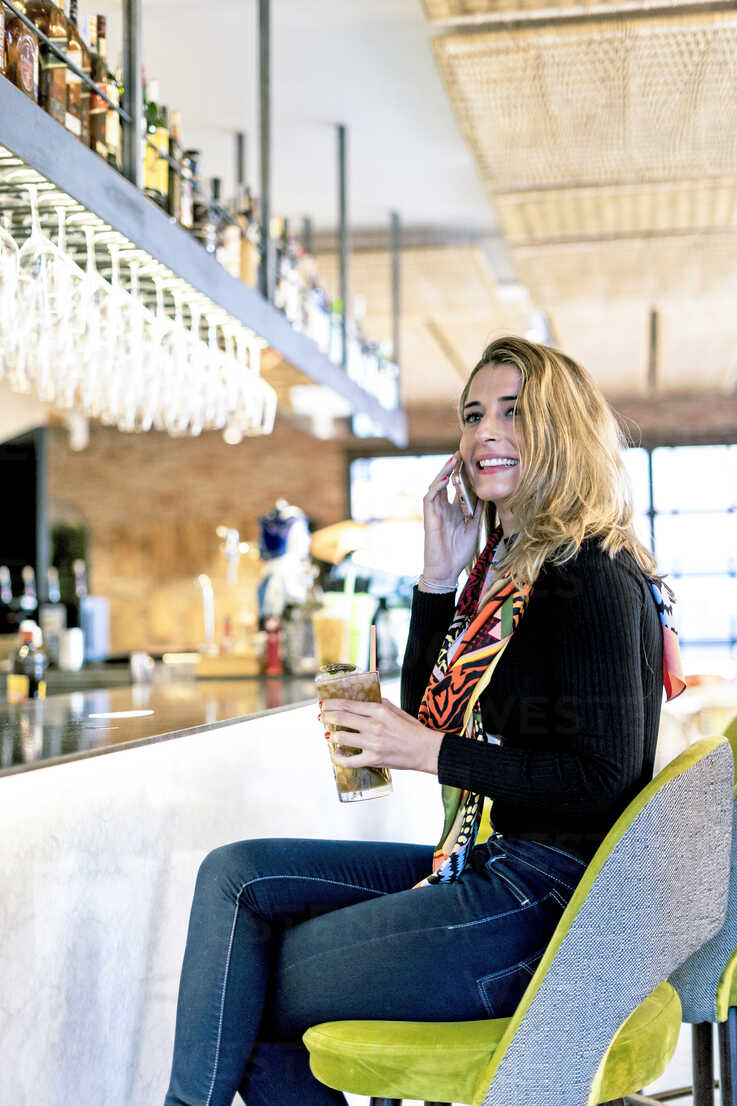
column 450, row 538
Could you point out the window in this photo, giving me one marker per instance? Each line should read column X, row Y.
column 685, row 500
column 695, row 529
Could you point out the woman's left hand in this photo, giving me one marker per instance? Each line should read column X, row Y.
column 387, row 736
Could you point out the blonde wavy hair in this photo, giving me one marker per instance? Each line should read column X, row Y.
column 573, row 483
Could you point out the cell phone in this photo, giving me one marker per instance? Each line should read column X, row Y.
column 467, row 499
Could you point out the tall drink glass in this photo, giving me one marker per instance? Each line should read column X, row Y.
column 341, row 681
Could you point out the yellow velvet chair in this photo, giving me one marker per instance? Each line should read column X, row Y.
column 598, row 1020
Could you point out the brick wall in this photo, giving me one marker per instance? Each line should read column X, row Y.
column 152, row 504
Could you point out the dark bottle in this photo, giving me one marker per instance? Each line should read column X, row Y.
column 78, row 93
column 52, row 81
column 174, row 205
column 155, row 165
column 74, row 605
column 21, row 53
column 98, row 106
column 216, row 212
column 16, row 608
column 6, row 598
column 52, row 616
column 113, row 131
column 190, row 169
column 28, row 665
column 205, row 228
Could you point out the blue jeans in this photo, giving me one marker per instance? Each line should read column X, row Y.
column 286, row 933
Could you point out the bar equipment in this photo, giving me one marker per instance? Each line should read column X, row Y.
column 110, row 333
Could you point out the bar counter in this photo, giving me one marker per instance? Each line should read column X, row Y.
column 99, row 855
column 89, row 722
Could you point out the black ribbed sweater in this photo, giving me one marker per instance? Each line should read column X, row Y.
column 575, row 697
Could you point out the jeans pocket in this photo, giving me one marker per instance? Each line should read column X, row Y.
column 514, row 886
column 501, row 991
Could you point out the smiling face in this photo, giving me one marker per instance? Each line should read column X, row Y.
column 492, row 439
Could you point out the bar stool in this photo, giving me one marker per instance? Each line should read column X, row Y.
column 707, row 987
column 597, row 1021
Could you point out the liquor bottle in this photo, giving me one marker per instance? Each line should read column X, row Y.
column 74, row 605
column 6, row 598
column 155, row 168
column 113, row 132
column 189, row 173
column 247, row 220
column 204, row 226
column 21, row 53
column 52, row 616
column 28, row 665
column 216, row 211
column 52, row 80
column 335, row 349
column 29, row 598
column 227, row 233
column 98, row 106
column 273, row 648
column 294, row 292
column 278, row 229
column 78, row 93
column 174, row 205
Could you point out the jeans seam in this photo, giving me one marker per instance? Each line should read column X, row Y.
column 222, row 996
column 560, row 852
column 519, row 894
column 543, row 872
column 556, row 895
column 428, row 929
column 523, row 965
column 495, row 917
column 317, row 879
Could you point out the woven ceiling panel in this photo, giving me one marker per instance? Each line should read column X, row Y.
column 600, row 296
column 628, row 209
column 442, row 10
column 603, row 102
column 450, row 10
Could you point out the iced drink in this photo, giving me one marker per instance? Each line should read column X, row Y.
column 341, row 681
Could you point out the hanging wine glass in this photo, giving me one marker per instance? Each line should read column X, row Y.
column 8, row 291
column 65, row 365
column 38, row 299
column 93, row 350
column 197, row 354
column 215, row 404
column 138, row 414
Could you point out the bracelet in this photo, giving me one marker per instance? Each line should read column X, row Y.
column 437, row 587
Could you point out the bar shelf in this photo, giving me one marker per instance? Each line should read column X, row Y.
column 41, row 144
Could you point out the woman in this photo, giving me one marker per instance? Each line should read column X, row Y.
column 553, row 661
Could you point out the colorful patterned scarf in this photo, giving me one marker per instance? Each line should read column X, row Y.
column 477, row 637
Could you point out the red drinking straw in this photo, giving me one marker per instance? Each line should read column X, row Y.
column 372, row 664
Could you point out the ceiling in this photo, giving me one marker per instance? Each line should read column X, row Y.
column 587, row 150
